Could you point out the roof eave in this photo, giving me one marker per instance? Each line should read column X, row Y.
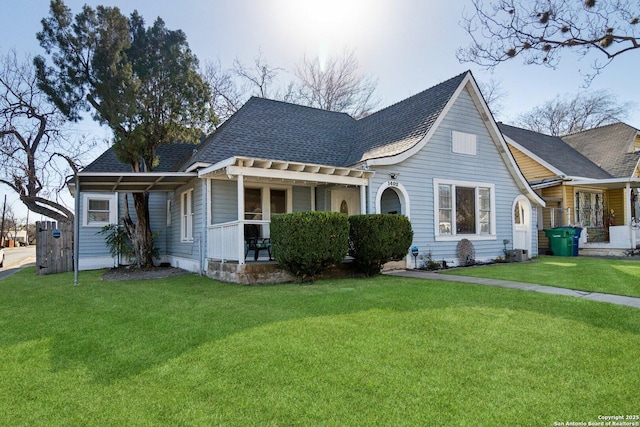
column 131, row 182
column 287, row 171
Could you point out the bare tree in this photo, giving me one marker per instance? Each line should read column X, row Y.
column 226, row 96
column 258, row 79
column 36, row 157
column 231, row 88
column 564, row 115
column 493, row 94
column 336, row 85
column 540, row 30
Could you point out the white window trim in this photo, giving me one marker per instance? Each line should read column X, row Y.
column 112, row 198
column 436, row 211
column 186, row 216
column 266, row 198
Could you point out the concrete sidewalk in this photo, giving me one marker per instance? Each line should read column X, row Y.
column 594, row 296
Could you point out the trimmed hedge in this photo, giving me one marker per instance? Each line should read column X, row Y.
column 306, row 243
column 378, row 238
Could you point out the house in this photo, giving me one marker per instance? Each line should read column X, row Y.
column 437, row 157
column 588, row 179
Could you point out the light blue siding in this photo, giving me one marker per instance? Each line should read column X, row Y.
column 157, row 216
column 90, row 243
column 175, row 246
column 224, row 201
column 436, row 160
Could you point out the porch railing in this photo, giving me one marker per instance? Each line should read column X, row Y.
column 225, row 241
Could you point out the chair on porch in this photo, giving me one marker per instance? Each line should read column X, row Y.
column 253, row 242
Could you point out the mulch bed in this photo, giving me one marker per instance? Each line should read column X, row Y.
column 131, row 273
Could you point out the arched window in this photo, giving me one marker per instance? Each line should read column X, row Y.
column 518, row 214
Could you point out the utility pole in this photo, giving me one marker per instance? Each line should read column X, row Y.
column 4, row 209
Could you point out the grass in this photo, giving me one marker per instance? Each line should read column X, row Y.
column 606, row 275
column 383, row 351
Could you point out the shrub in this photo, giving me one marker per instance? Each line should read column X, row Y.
column 117, row 242
column 306, row 243
column 377, row 239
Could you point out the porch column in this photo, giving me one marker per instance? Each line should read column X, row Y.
column 240, row 197
column 205, row 186
column 627, row 214
column 363, row 199
column 240, row 219
column 208, row 210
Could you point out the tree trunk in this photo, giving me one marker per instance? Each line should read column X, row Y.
column 144, row 236
column 140, row 233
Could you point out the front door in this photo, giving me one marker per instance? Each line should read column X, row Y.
column 521, row 224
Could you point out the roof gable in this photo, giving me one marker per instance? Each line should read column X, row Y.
column 282, row 131
column 612, row 147
column 399, row 127
column 553, row 153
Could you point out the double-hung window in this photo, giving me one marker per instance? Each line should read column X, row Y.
column 464, row 209
column 100, row 209
column 186, row 214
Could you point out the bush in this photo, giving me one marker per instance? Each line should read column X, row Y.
column 377, row 239
column 306, row 243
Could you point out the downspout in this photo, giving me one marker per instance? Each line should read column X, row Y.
column 76, row 231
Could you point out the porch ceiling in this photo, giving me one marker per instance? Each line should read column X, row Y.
column 286, row 171
column 133, row 182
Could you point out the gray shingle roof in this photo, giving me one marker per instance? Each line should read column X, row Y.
column 277, row 130
column 170, row 157
column 399, row 127
column 608, row 146
column 556, row 152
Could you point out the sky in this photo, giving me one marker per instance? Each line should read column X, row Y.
column 406, row 45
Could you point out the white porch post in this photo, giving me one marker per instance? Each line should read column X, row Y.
column 363, row 199
column 312, row 189
column 627, row 214
column 208, row 210
column 205, row 186
column 240, row 219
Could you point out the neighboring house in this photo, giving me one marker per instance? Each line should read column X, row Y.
column 588, row 179
column 436, row 157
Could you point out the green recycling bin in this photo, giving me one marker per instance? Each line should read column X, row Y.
column 561, row 240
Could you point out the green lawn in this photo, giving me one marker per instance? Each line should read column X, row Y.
column 606, row 275
column 384, row 351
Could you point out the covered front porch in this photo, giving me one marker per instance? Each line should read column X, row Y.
column 617, row 231
column 244, row 193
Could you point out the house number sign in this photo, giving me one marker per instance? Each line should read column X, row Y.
column 393, row 183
